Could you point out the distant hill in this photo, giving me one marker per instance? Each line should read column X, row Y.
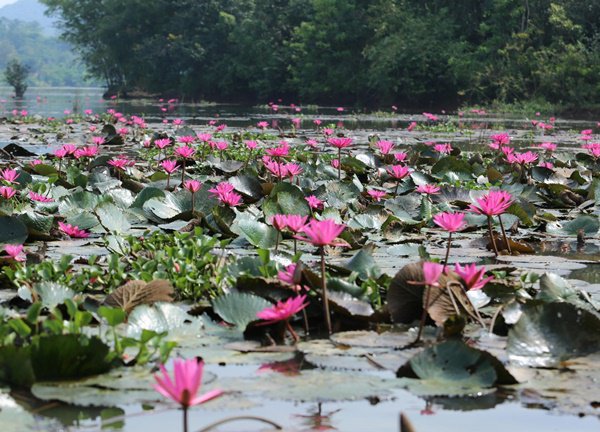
column 30, row 11
column 52, row 61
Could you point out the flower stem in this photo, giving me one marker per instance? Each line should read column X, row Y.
column 397, row 186
column 182, row 171
column 447, row 251
column 423, row 314
column 339, row 164
column 185, row 419
column 324, row 292
column 193, row 202
column 292, row 332
column 506, row 242
column 168, row 179
column 493, row 240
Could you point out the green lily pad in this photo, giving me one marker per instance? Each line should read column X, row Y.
column 160, row 317
column 453, row 368
column 257, row 233
column 12, row 230
column 113, row 218
column 239, row 309
column 549, row 333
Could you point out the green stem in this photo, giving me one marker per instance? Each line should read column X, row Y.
column 324, row 292
column 182, row 171
column 423, row 314
column 447, row 251
column 492, row 239
column 339, row 163
column 506, row 242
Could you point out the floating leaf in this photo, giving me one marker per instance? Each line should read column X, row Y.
column 160, row 317
column 12, row 230
column 549, row 333
column 113, row 218
column 453, row 368
column 257, row 233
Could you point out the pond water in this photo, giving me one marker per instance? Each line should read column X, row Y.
column 517, row 412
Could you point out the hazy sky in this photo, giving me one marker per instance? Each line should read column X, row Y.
column 5, row 2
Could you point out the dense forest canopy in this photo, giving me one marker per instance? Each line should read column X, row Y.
column 50, row 60
column 376, row 52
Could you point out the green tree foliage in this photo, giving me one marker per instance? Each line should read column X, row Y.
column 15, row 75
column 415, row 52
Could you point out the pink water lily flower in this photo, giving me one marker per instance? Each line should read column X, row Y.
column 69, row 148
column 119, row 163
column 192, row 185
column 186, row 139
column 377, row 195
column 431, row 273
column 185, row 152
column 221, row 188
column 185, row 385
column 251, row 145
column 60, row 153
column 428, row 189
column 443, row 148
column 451, row 222
column 385, row 147
column 9, row 175
column 411, row 126
column 162, row 143
column 262, row 125
column 204, row 137
column 283, row 310
column 86, row 152
column 170, row 166
column 279, row 221
column 295, row 223
column 398, row 171
column 293, row 169
column 280, row 151
column 15, row 252
column 401, row 156
column 493, row 203
column 522, row 158
column 287, row 275
column 340, row 143
column 232, row 199
column 7, row 192
column 314, row 202
column 323, row 233
column 72, row 230
column 472, row 276
column 98, row 140
column 39, row 197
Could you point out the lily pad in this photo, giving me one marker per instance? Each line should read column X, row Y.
column 453, row 368
column 239, row 309
column 12, row 230
column 549, row 333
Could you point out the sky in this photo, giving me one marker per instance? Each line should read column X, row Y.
column 6, row 2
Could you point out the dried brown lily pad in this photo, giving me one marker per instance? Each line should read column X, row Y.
column 138, row 292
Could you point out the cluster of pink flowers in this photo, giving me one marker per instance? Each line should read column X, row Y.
column 593, row 149
column 430, row 117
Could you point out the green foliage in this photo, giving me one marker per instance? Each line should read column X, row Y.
column 15, row 75
column 342, row 51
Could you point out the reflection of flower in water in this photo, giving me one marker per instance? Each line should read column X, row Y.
column 318, row 420
column 288, row 367
column 428, row 410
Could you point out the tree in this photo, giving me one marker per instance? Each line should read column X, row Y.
column 15, row 75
